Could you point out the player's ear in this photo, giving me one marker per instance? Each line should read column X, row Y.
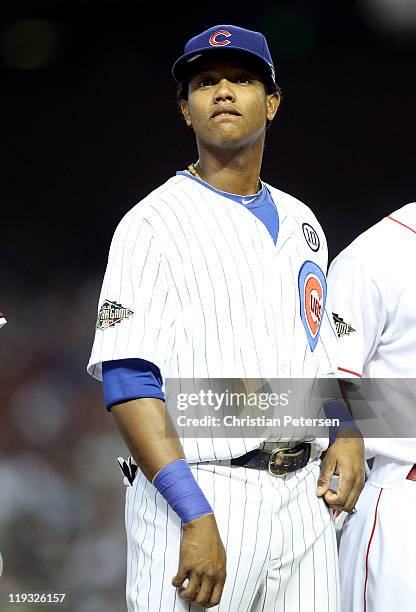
column 273, row 103
column 185, row 112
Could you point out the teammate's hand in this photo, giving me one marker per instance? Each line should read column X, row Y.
column 202, row 560
column 344, row 458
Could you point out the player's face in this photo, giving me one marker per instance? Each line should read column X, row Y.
column 228, row 105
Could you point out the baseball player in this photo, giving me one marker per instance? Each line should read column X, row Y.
column 215, row 275
column 373, row 295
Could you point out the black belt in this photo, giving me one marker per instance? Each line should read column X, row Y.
column 279, row 461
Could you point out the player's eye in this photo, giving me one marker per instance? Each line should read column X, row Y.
column 242, row 79
column 205, row 82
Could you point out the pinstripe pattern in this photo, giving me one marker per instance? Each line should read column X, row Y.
column 224, row 298
column 214, row 297
column 279, row 538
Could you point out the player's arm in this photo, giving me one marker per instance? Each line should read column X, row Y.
column 359, row 317
column 143, row 424
column 150, row 436
column 135, row 316
column 345, row 455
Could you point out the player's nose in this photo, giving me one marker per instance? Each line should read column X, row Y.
column 224, row 91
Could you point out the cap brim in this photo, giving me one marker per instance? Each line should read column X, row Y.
column 190, row 62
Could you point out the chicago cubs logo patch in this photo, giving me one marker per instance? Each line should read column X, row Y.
column 311, row 237
column 312, row 296
column 219, row 43
column 112, row 313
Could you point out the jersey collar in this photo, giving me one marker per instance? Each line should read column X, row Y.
column 246, row 199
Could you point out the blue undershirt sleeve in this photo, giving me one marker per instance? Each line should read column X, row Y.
column 337, row 410
column 127, row 379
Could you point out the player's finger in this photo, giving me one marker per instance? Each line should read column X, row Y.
column 327, row 471
column 192, row 589
column 349, row 489
column 181, row 576
column 331, row 498
column 203, row 597
column 216, row 595
column 353, row 496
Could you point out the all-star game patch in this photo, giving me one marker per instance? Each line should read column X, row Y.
column 343, row 328
column 112, row 313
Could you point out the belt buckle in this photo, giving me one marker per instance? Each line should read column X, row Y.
column 276, row 451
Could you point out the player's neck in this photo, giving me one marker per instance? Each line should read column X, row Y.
column 239, row 174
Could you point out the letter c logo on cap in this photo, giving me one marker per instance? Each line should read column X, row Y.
column 219, row 43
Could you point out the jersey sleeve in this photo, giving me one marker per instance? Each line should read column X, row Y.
column 135, row 319
column 127, row 379
column 358, row 311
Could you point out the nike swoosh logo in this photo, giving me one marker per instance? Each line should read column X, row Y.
column 248, row 201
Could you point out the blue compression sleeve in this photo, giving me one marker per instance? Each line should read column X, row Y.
column 126, row 379
column 182, row 492
column 337, row 410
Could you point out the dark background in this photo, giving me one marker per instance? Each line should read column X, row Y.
column 92, row 126
column 89, row 126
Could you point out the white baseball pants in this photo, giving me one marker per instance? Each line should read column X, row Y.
column 377, row 551
column 279, row 538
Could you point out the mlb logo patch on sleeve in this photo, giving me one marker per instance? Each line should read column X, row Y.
column 312, row 296
column 343, row 328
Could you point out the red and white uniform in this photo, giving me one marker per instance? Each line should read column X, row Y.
column 373, row 294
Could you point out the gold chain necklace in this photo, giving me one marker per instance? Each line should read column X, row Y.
column 194, row 172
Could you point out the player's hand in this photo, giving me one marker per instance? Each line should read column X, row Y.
column 202, row 560
column 344, row 458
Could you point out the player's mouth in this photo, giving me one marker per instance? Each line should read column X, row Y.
column 225, row 111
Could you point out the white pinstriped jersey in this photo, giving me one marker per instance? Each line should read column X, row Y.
column 204, row 292
column 373, row 294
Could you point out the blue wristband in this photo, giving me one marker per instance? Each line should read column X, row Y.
column 178, row 486
column 335, row 409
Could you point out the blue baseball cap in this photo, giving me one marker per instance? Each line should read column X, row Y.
column 230, row 38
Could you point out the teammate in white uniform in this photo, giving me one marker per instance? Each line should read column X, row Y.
column 373, row 294
column 204, row 283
